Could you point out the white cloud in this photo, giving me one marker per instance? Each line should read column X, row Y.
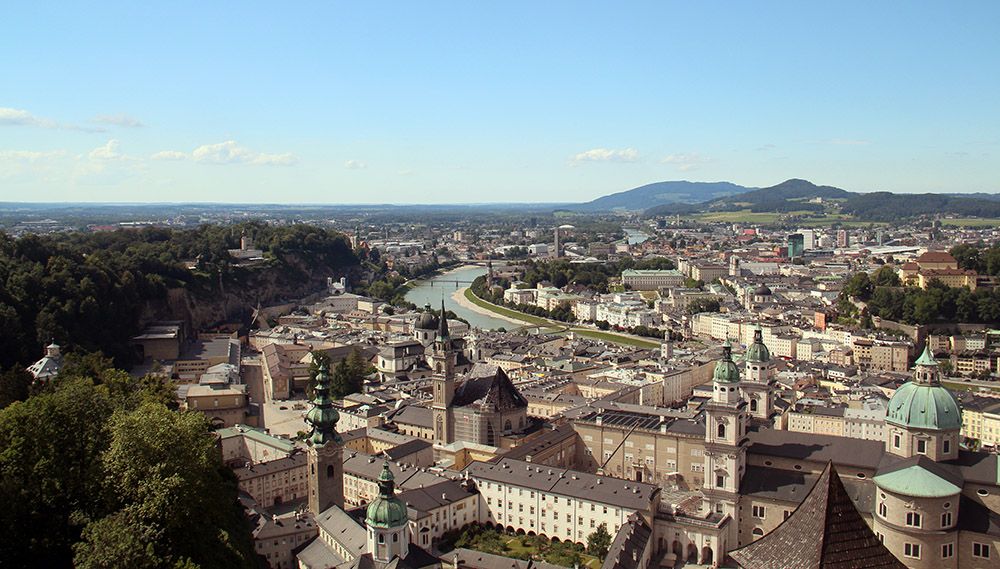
column 107, row 152
column 686, row 161
column 355, row 165
column 120, row 119
column 230, row 152
column 29, row 155
column 169, row 155
column 607, row 155
column 20, row 117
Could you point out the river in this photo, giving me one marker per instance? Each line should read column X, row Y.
column 432, row 290
column 635, row 236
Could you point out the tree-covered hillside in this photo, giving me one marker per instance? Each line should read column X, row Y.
column 88, row 291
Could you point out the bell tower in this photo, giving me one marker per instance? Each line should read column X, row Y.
column 725, row 441
column 325, row 454
column 443, row 360
column 758, row 384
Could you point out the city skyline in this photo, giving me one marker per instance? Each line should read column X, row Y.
column 469, row 104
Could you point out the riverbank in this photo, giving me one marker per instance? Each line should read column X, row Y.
column 461, row 299
column 479, row 304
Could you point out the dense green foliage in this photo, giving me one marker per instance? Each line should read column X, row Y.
column 97, row 472
column 599, row 541
column 703, row 305
column 346, row 377
column 983, row 260
column 886, row 299
column 87, row 290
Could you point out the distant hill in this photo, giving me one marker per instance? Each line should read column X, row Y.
column 790, row 195
column 652, row 195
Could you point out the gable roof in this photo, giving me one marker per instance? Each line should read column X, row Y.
column 825, row 532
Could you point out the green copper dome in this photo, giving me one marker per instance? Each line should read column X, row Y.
column 758, row 352
column 726, row 370
column 386, row 511
column 921, row 406
column 923, row 403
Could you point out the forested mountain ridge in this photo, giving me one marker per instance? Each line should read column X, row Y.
column 93, row 292
column 674, row 192
column 798, row 195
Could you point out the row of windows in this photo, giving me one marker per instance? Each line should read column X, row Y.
column 914, row 519
column 912, row 550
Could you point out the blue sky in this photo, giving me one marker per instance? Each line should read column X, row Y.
column 445, row 102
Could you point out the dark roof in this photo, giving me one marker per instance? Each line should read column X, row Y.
column 495, row 392
column 978, row 467
column 631, row 542
column 542, row 442
column 472, row 559
column 432, row 497
column 825, row 532
column 975, row 517
column 843, row 451
column 793, row 486
column 410, row 447
column 413, row 415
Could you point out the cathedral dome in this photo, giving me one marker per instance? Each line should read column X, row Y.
column 923, row 403
column 426, row 320
column 726, row 370
column 920, row 406
column 386, row 511
column 762, row 290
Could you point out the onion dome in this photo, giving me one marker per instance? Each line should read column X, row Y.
column 758, row 352
column 923, row 403
column 386, row 511
column 323, row 417
column 726, row 370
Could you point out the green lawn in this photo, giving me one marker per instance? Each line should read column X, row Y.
column 529, row 318
column 962, row 386
column 972, row 222
column 743, row 215
column 517, row 548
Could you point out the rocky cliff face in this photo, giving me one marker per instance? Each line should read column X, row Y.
column 234, row 299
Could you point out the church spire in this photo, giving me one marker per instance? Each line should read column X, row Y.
column 323, row 417
column 443, row 334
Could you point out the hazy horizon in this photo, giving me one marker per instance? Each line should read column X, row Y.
column 516, row 103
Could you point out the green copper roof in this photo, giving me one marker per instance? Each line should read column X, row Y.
column 323, row 417
column 726, row 370
column 386, row 511
column 917, row 482
column 922, row 406
column 758, row 352
column 927, row 358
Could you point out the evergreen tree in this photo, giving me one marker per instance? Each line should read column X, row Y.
column 599, row 542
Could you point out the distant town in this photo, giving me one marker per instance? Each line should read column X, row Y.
column 602, row 390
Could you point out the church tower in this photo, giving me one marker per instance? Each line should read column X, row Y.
column 725, row 441
column 443, row 361
column 386, row 521
column 325, row 455
column 758, row 384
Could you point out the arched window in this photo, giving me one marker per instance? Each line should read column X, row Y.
column 381, row 538
column 753, row 404
column 722, row 430
column 506, row 427
column 757, row 532
column 329, row 471
column 395, row 537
